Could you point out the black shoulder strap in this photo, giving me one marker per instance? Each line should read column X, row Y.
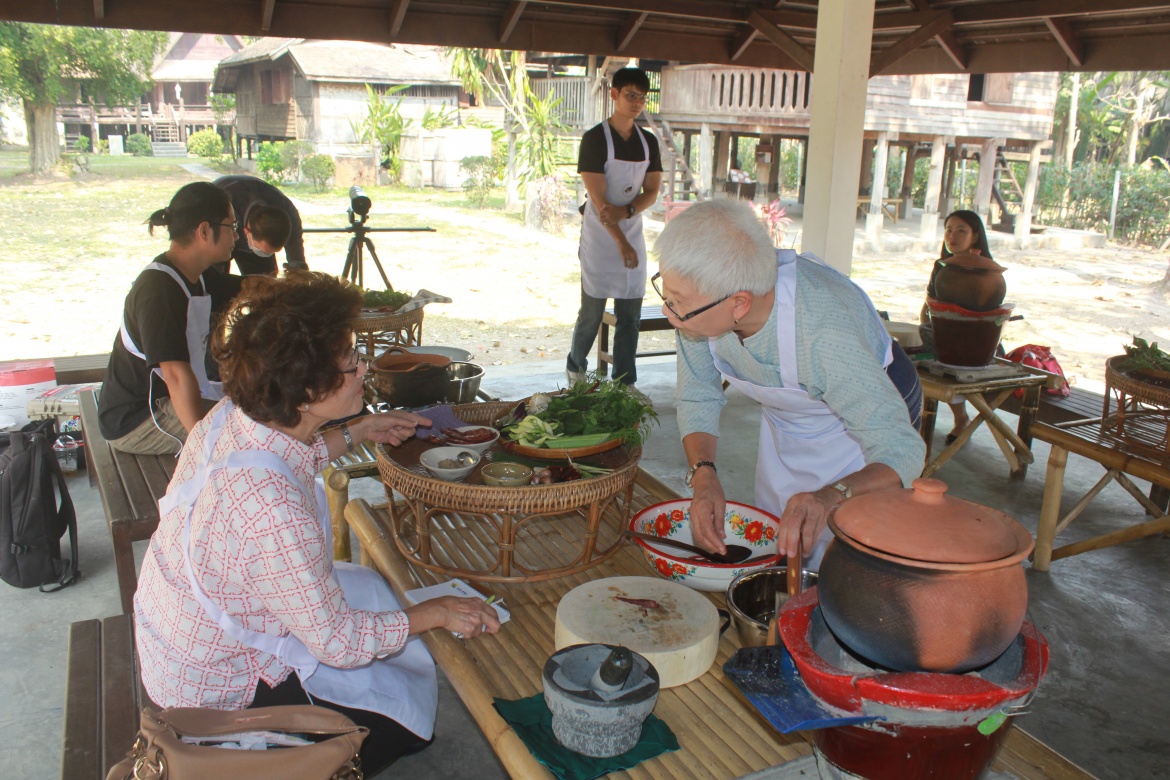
column 70, row 570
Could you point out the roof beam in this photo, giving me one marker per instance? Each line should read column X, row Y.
column 953, row 49
column 881, row 60
column 741, row 43
column 99, row 10
column 267, row 7
column 785, row 42
column 1064, row 34
column 397, row 16
column 630, row 29
column 511, row 18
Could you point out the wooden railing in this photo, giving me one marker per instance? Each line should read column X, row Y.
column 581, row 107
column 88, row 114
column 724, row 91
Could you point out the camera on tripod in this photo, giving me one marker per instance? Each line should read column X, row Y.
column 359, row 202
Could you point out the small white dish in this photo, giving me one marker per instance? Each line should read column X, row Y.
column 478, row 449
column 433, row 457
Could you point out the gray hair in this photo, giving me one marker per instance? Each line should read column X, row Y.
column 720, row 247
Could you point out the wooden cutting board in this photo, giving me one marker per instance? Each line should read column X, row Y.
column 680, row 637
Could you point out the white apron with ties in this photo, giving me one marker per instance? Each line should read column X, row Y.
column 603, row 274
column 401, row 686
column 803, row 443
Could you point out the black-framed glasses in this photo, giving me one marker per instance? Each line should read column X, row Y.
column 682, row 317
column 359, row 361
column 235, row 228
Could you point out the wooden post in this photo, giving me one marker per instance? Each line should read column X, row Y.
column 907, row 193
column 865, row 179
column 706, row 159
column 722, row 158
column 873, row 220
column 938, row 151
column 987, row 155
column 1050, row 508
column 1024, row 220
column 773, row 188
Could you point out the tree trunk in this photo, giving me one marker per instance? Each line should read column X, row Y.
column 1135, row 127
column 43, row 142
column 1070, row 144
column 511, row 180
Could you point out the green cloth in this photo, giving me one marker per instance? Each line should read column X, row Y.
column 532, row 721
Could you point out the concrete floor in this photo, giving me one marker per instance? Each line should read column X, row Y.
column 1104, row 703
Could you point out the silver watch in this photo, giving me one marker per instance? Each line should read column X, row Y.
column 845, row 491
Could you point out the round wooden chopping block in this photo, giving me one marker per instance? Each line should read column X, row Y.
column 679, row 637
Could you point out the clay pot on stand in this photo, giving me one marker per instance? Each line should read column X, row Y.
column 963, row 337
column 973, row 282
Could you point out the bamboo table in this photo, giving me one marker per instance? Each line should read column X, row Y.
column 719, row 732
column 986, row 396
column 1133, row 453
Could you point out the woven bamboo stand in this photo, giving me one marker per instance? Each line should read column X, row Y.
column 379, row 330
column 1136, row 398
column 505, row 534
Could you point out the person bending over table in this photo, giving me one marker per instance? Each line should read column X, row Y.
column 159, row 381
column 621, row 167
column 238, row 590
column 270, row 223
column 840, row 401
column 963, row 234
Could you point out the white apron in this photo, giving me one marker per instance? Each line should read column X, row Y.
column 401, row 687
column 198, row 331
column 603, row 275
column 803, row 443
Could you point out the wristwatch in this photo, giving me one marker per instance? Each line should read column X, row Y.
column 630, row 210
column 844, row 490
column 345, row 434
column 691, row 471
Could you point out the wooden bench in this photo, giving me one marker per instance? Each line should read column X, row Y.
column 103, row 697
column 889, row 207
column 130, row 487
column 652, row 319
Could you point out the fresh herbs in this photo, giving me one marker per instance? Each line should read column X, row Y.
column 588, row 413
column 384, row 299
column 1143, row 356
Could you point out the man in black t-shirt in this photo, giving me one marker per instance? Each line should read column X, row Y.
column 621, row 167
column 269, row 222
column 159, row 380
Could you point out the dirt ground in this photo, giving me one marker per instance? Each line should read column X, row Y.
column 516, row 290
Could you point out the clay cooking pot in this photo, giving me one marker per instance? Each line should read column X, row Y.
column 974, row 282
column 402, row 378
column 916, row 580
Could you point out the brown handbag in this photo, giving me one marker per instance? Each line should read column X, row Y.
column 161, row 753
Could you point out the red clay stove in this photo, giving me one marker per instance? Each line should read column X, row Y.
column 936, row 725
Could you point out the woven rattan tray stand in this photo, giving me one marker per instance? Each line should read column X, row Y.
column 376, row 330
column 1136, row 398
column 509, row 532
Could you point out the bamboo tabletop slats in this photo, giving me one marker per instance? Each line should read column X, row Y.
column 720, row 734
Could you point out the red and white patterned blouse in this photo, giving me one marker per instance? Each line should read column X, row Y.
column 259, row 551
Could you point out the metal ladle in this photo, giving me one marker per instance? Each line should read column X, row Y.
column 735, row 552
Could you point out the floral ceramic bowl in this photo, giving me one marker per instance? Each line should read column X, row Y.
column 742, row 524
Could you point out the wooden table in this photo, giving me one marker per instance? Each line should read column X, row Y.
column 986, row 396
column 1133, row 453
column 719, row 731
column 889, row 207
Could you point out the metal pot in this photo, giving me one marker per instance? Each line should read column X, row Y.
column 401, row 378
column 918, row 581
column 463, row 382
column 751, row 600
column 455, row 353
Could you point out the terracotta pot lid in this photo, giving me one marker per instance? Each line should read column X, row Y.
column 924, row 524
column 973, row 262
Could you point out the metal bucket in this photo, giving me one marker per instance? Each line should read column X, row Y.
column 751, row 600
column 463, row 384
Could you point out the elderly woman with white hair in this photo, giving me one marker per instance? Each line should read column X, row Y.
column 840, row 401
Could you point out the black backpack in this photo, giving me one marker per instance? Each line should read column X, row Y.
column 31, row 520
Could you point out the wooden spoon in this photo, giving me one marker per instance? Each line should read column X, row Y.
column 735, row 552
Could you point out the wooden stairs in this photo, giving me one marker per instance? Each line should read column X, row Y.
column 679, row 181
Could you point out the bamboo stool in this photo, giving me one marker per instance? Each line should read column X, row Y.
column 719, row 732
column 378, row 330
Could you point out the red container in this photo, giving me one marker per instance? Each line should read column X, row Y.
column 966, row 338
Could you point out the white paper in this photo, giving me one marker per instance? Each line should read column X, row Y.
column 457, row 588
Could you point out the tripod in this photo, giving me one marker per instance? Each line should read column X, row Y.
column 355, row 255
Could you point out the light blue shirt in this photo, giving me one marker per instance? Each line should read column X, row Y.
column 839, row 350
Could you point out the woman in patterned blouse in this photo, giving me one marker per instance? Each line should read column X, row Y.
column 257, row 555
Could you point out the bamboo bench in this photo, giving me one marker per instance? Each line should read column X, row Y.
column 103, row 697
column 652, row 319
column 130, row 487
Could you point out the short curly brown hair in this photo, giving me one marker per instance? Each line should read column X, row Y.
column 280, row 344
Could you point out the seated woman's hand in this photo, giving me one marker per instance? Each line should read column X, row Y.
column 467, row 616
column 392, row 427
column 707, row 510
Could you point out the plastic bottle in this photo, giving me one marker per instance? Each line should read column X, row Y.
column 65, row 450
column 614, row 670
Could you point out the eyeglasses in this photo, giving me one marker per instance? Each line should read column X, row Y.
column 635, row 97
column 358, row 362
column 682, row 317
column 233, row 226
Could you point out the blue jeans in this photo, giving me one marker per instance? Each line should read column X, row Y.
column 628, row 312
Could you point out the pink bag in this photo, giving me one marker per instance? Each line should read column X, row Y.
column 1039, row 357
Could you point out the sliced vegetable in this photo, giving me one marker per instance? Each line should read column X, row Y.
column 575, row 442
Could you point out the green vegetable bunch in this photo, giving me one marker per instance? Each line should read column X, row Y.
column 588, row 413
column 376, row 299
column 1143, row 355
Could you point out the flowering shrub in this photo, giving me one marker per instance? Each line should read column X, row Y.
column 551, row 195
column 775, row 218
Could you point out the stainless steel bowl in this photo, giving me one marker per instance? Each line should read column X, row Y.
column 751, row 600
column 464, row 382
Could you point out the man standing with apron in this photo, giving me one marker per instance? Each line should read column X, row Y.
column 159, row 382
column 621, row 167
